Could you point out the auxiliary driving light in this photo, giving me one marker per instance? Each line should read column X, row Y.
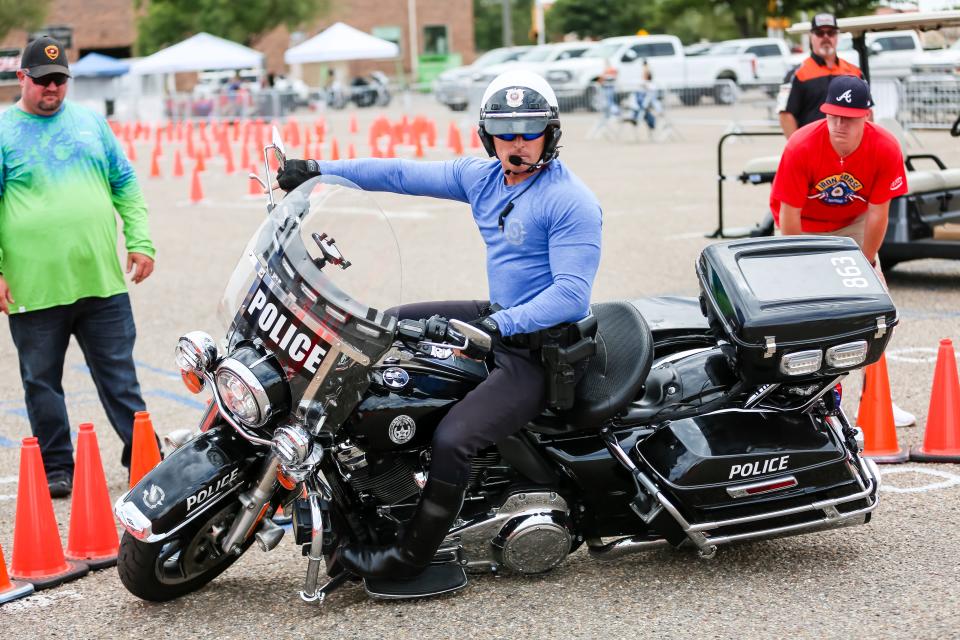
column 801, row 363
column 844, row 356
column 196, row 351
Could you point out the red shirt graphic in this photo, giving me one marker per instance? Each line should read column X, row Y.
column 831, row 192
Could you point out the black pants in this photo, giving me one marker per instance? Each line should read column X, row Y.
column 105, row 331
column 512, row 395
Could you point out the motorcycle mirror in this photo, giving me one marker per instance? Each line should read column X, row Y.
column 278, row 148
column 474, row 335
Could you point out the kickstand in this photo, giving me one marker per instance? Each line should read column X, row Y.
column 332, row 585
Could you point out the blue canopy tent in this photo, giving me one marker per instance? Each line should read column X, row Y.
column 97, row 65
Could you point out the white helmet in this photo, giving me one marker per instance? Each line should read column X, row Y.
column 520, row 102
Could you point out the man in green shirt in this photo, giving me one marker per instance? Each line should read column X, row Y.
column 63, row 175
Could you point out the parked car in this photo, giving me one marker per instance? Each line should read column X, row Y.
column 892, row 53
column 537, row 59
column 698, row 48
column 452, row 87
column 578, row 78
column 773, row 58
column 938, row 61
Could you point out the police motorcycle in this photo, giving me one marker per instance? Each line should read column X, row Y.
column 677, row 422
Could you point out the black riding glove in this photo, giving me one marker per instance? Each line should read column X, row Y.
column 488, row 325
column 296, row 172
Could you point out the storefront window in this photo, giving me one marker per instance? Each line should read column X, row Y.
column 435, row 40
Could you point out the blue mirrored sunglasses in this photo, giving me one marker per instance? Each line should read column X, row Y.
column 510, row 137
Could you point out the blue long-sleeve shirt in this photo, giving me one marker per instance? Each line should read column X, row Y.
column 541, row 265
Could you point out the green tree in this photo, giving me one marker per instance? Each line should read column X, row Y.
column 749, row 16
column 488, row 23
column 167, row 22
column 600, row 18
column 22, row 14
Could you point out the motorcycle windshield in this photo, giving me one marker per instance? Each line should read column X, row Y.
column 313, row 287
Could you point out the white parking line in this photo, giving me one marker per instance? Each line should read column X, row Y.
column 948, row 479
column 915, row 355
column 8, row 479
column 41, row 601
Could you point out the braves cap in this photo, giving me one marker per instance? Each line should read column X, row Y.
column 847, row 96
column 44, row 56
column 823, row 20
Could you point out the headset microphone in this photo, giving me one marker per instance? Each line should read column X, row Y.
column 517, row 160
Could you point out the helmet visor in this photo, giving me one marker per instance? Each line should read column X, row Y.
column 516, row 122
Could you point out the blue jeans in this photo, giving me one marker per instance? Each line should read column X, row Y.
column 105, row 331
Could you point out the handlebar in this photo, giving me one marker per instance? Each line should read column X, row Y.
column 437, row 331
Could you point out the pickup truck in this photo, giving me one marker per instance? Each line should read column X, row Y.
column 773, row 58
column 578, row 79
column 892, row 53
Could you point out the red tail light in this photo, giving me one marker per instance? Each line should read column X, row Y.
column 765, row 486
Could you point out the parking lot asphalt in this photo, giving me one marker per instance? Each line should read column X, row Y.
column 898, row 576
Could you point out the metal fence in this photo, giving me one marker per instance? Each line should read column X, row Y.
column 929, row 101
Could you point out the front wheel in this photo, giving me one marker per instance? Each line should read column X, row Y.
column 182, row 563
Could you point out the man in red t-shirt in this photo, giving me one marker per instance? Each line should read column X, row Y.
column 838, row 175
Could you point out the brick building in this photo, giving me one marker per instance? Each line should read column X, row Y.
column 109, row 27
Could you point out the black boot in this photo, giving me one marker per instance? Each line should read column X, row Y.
column 412, row 553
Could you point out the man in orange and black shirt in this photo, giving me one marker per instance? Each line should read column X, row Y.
column 808, row 89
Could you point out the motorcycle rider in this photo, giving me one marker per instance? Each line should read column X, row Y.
column 541, row 226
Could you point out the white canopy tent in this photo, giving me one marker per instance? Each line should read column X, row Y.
column 202, row 52
column 341, row 42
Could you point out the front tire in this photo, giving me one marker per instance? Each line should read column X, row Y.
column 182, row 563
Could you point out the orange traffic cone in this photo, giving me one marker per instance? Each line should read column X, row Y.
column 11, row 590
column 351, row 152
column 177, row 164
column 334, row 150
column 354, row 127
column 131, row 151
column 201, row 164
column 93, row 534
column 941, row 442
column 37, row 552
column 474, row 139
column 196, row 190
column 146, row 451
column 228, row 156
column 875, row 416
column 155, row 165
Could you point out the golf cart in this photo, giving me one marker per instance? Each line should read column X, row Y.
column 915, row 228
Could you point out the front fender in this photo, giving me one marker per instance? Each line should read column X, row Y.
column 191, row 480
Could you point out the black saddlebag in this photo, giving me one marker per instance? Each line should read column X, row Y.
column 745, row 474
column 796, row 307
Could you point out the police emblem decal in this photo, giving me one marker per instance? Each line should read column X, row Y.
column 514, row 97
column 401, row 430
column 395, row 378
column 52, row 51
column 153, row 496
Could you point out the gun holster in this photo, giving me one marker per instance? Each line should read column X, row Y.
column 565, row 351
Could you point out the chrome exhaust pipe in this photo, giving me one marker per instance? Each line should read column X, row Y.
column 269, row 535
column 621, row 547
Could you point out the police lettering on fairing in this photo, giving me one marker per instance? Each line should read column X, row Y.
column 299, row 345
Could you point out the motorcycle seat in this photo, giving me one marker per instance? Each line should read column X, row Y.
column 616, row 373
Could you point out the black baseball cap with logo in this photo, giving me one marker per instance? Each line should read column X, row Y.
column 44, row 56
column 822, row 20
column 847, row 96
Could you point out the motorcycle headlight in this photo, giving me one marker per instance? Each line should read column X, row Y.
column 252, row 387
